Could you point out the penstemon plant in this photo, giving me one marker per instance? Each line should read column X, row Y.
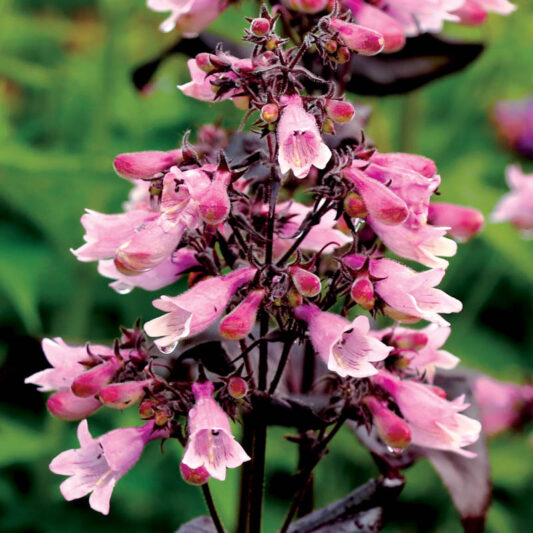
column 284, row 234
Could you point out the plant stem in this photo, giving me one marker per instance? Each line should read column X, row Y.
column 212, row 509
column 281, row 366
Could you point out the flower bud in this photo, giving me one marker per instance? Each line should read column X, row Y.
column 339, row 111
column 241, row 102
column 328, row 126
column 237, row 387
column 294, row 298
column 362, row 292
column 393, row 430
column 214, row 207
column 146, row 408
column 89, row 383
column 471, row 13
column 269, row 113
column 162, row 416
column 203, row 60
column 464, row 222
column 237, row 324
column 141, row 165
column 260, row 27
column 354, row 206
column 343, row 55
column 194, row 476
column 306, row 283
column 123, row 395
column 358, row 38
column 272, row 43
column 65, row 405
column 331, row 46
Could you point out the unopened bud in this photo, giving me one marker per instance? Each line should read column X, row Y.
column 362, row 292
column 343, row 55
column 240, row 322
column 393, row 430
column 140, row 165
column 260, row 27
column 306, row 283
column 463, row 222
column 294, row 298
column 194, row 476
column 269, row 113
column 237, row 387
column 358, row 38
column 203, row 60
column 241, row 102
column 354, row 206
column 331, row 46
column 123, row 395
column 65, row 405
column 339, row 111
column 328, row 126
column 272, row 43
column 91, row 382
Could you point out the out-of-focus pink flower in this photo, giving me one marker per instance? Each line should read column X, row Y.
column 463, row 222
column 411, row 295
column 188, row 16
column 358, row 38
column 346, row 347
column 140, row 165
column 434, row 422
column 516, row 206
column 196, row 309
column 306, row 6
column 98, row 464
column 211, row 444
column 502, row 405
column 502, row 7
column 514, row 121
column 374, row 18
column 162, row 275
column 300, row 143
column 471, row 13
column 240, row 322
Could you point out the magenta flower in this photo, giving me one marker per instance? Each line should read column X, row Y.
column 211, row 444
column 411, row 295
column 300, row 143
column 434, row 421
column 98, row 464
column 463, row 223
column 501, row 404
column 346, row 347
column 516, row 206
column 514, row 121
column 196, row 309
column 188, row 16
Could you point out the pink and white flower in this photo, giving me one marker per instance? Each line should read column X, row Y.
column 99, row 463
column 358, row 38
column 346, row 347
column 300, row 143
column 211, row 444
column 434, row 421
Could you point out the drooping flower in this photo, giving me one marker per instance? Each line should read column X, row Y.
column 99, row 463
column 516, row 206
column 142, row 165
column 434, row 421
column 196, row 309
column 211, row 444
column 346, row 347
column 240, row 322
column 188, row 16
column 300, row 143
column 463, row 222
column 411, row 295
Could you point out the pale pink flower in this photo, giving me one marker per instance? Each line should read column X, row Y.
column 471, row 13
column 502, row 7
column 240, row 322
column 306, row 6
column 502, row 405
column 98, row 464
column 141, row 165
column 196, row 309
column 463, row 222
column 300, row 143
column 434, row 421
column 516, row 206
column 411, row 295
column 64, row 404
column 211, row 444
column 188, row 16
column 392, row 430
column 346, row 347
column 358, row 38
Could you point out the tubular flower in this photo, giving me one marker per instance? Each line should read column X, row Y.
column 434, row 421
column 358, row 38
column 300, row 143
column 346, row 347
column 143, row 165
column 98, row 464
column 463, row 222
column 195, row 310
column 211, row 444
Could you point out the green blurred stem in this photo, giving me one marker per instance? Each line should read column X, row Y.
column 409, row 114
column 212, row 509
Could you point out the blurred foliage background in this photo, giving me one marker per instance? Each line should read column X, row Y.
column 67, row 106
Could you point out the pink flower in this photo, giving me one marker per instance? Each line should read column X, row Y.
column 411, row 295
column 196, row 309
column 64, row 404
column 516, row 206
column 463, row 222
column 300, row 143
column 211, row 444
column 346, row 347
column 471, row 13
column 502, row 405
column 358, row 38
column 98, row 464
column 502, row 7
column 434, row 421
column 142, row 165
column 188, row 16
column 240, row 322
column 514, row 121
column 306, row 6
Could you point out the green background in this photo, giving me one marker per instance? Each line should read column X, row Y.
column 67, row 106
